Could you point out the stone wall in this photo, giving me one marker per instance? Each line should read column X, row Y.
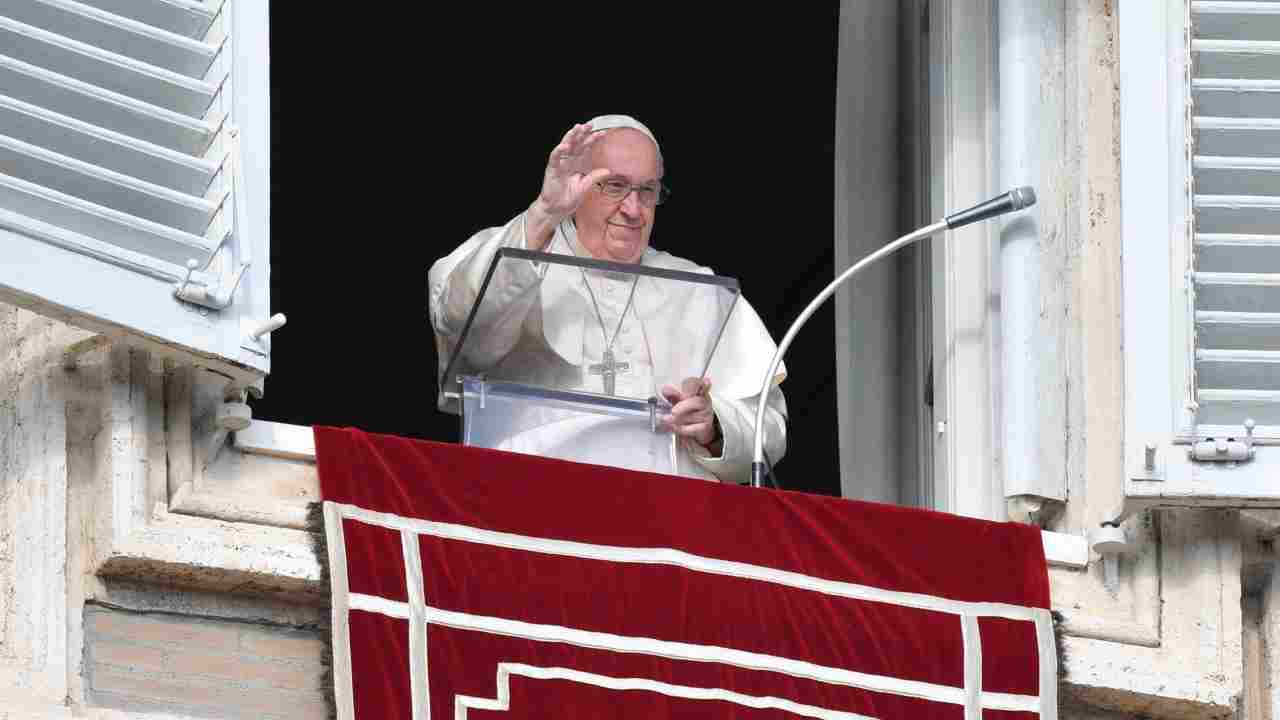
column 203, row 667
column 142, row 574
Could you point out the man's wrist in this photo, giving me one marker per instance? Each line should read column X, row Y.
column 539, row 226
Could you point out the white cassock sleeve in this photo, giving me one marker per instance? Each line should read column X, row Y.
column 737, row 422
column 454, row 284
column 737, row 370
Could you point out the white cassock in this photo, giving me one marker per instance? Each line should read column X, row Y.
column 541, row 326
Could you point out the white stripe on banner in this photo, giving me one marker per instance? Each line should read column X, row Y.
column 380, row 605
column 698, row 653
column 418, row 677
column 699, row 563
column 502, row 703
column 343, row 695
column 972, row 667
column 1047, row 646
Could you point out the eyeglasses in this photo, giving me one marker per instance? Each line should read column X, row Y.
column 649, row 194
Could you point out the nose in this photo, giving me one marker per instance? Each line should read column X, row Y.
column 631, row 204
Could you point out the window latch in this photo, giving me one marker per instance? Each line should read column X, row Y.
column 1224, row 449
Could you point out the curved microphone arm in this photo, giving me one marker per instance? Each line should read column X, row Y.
column 1015, row 199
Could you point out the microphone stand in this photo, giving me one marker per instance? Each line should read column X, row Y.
column 1015, row 199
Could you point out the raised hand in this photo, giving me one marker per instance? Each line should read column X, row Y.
column 569, row 175
column 565, row 183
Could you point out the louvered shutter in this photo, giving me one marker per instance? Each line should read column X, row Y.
column 134, row 145
column 1200, row 207
column 1235, row 226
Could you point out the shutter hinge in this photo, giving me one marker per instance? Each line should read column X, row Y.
column 218, row 298
column 1226, row 449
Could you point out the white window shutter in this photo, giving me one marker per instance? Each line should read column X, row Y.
column 134, row 144
column 1236, row 220
column 1201, row 243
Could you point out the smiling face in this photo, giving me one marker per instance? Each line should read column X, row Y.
column 619, row 230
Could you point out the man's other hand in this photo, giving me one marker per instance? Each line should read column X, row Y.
column 691, row 415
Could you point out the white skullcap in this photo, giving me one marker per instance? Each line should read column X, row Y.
column 609, row 122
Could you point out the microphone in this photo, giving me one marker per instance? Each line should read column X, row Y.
column 1016, row 199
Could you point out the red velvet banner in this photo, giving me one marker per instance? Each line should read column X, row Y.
column 479, row 584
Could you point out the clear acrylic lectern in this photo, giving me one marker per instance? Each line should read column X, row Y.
column 565, row 357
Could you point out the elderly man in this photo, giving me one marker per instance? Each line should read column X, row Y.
column 599, row 196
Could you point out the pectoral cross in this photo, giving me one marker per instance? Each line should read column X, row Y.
column 608, row 371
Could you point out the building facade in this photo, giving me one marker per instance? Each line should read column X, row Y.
column 154, row 554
